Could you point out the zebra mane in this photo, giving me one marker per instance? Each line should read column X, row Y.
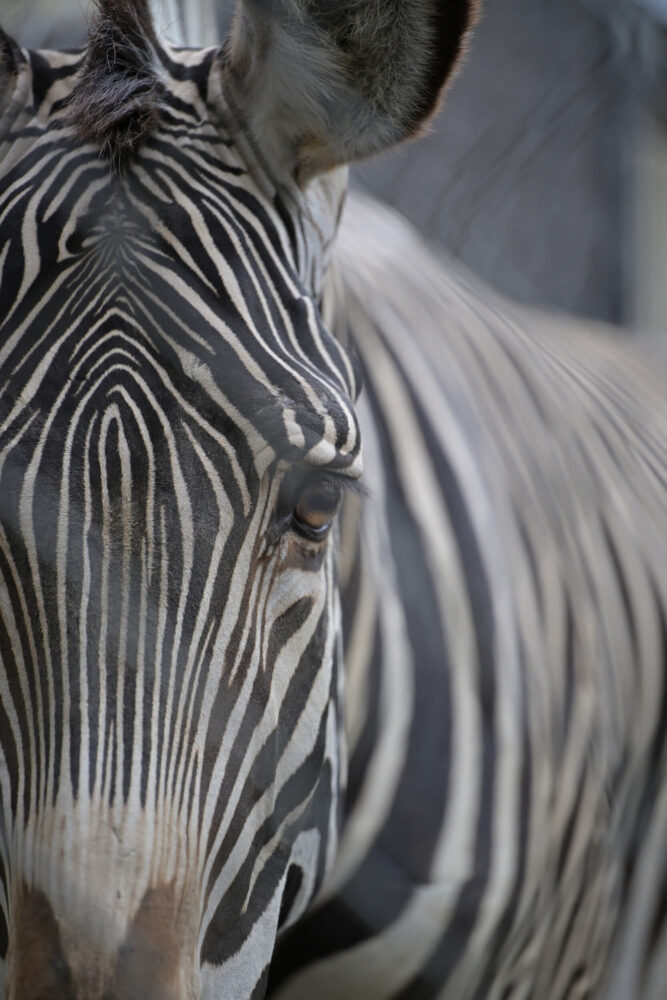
column 116, row 104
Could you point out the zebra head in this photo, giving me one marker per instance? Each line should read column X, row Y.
column 176, row 433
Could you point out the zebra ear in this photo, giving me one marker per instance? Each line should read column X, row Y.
column 325, row 82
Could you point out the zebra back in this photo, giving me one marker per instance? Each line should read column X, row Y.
column 505, row 600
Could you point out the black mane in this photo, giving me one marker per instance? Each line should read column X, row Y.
column 117, row 102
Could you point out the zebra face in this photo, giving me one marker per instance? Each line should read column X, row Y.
column 176, row 433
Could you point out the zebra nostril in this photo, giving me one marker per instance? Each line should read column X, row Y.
column 154, row 962
column 156, row 959
column 38, row 968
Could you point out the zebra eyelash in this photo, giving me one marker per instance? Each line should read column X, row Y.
column 298, row 475
column 337, row 480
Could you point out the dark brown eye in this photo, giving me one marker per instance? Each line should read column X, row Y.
column 317, row 507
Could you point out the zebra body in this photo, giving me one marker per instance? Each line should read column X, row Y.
column 505, row 650
column 177, row 426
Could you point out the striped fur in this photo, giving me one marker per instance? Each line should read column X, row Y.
column 175, row 724
column 505, row 615
column 169, row 648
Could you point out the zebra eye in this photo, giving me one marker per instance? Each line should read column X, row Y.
column 317, row 507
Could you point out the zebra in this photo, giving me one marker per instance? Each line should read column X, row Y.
column 265, row 731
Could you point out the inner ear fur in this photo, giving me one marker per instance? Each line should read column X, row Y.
column 326, row 82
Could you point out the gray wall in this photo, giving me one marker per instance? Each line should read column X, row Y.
column 523, row 177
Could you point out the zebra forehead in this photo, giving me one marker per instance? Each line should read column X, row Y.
column 195, row 308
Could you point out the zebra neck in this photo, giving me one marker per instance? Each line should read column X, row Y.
column 484, row 607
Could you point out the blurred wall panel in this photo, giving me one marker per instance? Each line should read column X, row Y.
column 643, row 26
column 647, row 288
column 523, row 177
column 45, row 23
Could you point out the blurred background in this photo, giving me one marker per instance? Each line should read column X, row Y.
column 546, row 171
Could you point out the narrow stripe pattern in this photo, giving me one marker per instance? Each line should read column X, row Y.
column 169, row 651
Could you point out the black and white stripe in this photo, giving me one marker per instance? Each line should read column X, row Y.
column 506, row 652
column 176, row 728
column 170, row 659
